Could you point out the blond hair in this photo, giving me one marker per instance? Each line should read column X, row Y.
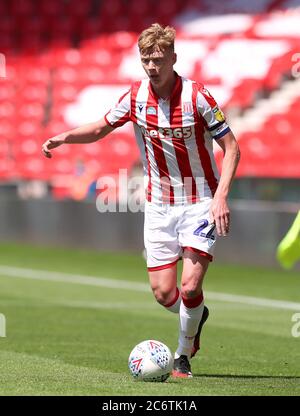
column 156, row 36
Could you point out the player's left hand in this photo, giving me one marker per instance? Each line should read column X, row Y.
column 220, row 215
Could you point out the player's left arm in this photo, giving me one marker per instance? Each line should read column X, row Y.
column 219, row 210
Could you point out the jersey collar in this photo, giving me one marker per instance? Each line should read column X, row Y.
column 176, row 90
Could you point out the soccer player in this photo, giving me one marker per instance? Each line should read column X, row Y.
column 175, row 121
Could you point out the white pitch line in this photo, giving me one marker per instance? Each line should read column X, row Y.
column 72, row 278
column 61, row 277
column 249, row 300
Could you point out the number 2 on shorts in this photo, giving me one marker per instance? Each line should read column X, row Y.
column 200, row 233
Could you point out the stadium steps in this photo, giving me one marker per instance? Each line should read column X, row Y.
column 278, row 102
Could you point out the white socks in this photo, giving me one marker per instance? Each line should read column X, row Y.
column 190, row 313
column 189, row 319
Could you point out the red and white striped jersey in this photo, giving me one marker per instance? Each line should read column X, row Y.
column 175, row 139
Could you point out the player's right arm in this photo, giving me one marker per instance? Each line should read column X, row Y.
column 87, row 133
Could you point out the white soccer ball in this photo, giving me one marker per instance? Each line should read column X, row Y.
column 150, row 361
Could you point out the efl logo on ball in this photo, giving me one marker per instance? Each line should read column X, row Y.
column 150, row 361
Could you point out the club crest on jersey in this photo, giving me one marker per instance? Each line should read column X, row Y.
column 140, row 107
column 151, row 111
column 187, row 107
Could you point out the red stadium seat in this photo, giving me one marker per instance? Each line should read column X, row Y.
column 33, row 25
column 27, row 128
column 167, row 8
column 7, row 23
column 33, row 73
column 296, row 105
column 8, row 43
column 7, row 128
column 140, row 8
column 63, row 26
column 80, row 9
column 90, row 27
column 31, row 167
column 7, row 168
column 7, row 92
column 112, row 8
column 62, row 165
column 269, row 153
column 92, row 74
column 59, row 41
column 244, row 95
column 35, row 92
column 32, row 43
column 33, row 111
column 3, row 9
column 27, row 147
column 67, row 56
column 102, row 57
column 63, row 93
column 93, row 149
column 7, row 110
column 280, row 66
column 51, row 8
column 54, row 128
column 66, row 74
column 119, row 23
column 22, row 7
column 121, row 40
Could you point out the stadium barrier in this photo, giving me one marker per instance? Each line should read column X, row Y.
column 256, row 228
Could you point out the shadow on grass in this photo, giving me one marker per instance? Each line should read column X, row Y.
column 245, row 376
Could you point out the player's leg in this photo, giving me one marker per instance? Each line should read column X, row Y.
column 162, row 254
column 197, row 237
column 195, row 265
column 163, row 283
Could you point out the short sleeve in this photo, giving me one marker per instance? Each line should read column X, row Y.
column 120, row 113
column 214, row 117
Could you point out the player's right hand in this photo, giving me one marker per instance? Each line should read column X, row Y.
column 52, row 144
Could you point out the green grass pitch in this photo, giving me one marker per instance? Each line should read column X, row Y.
column 68, row 338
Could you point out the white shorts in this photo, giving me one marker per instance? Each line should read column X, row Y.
column 168, row 229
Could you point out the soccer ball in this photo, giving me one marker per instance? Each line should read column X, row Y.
column 150, row 361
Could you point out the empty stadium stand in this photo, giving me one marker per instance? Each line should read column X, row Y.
column 66, row 62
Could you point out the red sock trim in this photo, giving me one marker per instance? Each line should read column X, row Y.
column 174, row 300
column 193, row 302
column 164, row 266
column 200, row 252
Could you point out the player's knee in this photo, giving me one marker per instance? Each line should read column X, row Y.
column 191, row 288
column 163, row 297
column 189, row 294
